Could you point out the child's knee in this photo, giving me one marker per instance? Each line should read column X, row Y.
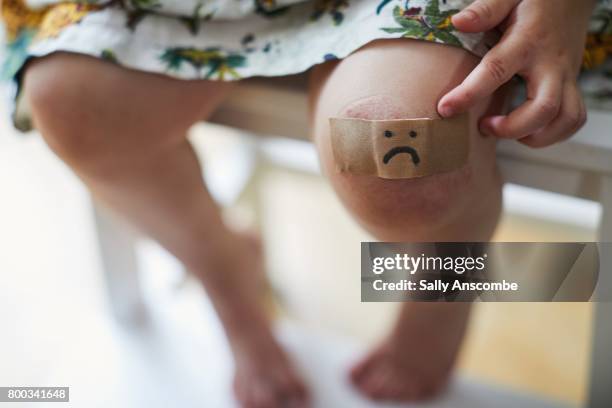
column 399, row 209
column 91, row 111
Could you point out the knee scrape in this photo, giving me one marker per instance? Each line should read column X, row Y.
column 375, row 107
column 387, row 107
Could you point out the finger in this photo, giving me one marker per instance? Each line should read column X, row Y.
column 263, row 397
column 496, row 68
column 483, row 15
column 541, row 108
column 570, row 119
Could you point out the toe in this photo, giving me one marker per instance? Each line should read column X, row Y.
column 243, row 394
column 429, row 388
column 387, row 385
column 406, row 391
column 390, row 386
column 359, row 370
column 394, row 391
column 377, row 387
column 382, row 383
column 370, row 381
column 293, row 393
column 262, row 396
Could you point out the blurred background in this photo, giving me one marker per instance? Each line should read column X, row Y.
column 54, row 313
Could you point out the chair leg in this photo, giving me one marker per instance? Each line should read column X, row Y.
column 119, row 266
column 600, row 395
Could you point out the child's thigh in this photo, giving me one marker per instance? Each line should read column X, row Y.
column 395, row 79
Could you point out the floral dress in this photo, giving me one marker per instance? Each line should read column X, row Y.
column 234, row 39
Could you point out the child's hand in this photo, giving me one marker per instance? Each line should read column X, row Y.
column 543, row 42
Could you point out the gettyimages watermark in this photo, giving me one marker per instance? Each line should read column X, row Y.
column 490, row 272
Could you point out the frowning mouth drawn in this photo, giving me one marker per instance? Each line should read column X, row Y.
column 402, row 149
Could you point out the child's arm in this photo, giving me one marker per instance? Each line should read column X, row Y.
column 543, row 42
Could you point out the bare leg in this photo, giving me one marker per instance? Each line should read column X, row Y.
column 404, row 79
column 123, row 132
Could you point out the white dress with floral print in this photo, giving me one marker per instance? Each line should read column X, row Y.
column 221, row 39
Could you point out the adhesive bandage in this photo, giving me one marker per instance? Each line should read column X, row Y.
column 401, row 148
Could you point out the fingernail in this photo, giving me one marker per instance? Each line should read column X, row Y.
column 490, row 126
column 486, row 129
column 471, row 15
column 446, row 111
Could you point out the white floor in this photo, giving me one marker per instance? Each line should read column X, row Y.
column 178, row 358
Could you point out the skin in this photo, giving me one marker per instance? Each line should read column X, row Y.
column 534, row 47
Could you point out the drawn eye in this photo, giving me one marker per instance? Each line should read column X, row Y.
column 413, row 133
column 388, row 133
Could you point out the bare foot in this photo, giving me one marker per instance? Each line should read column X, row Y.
column 264, row 376
column 415, row 361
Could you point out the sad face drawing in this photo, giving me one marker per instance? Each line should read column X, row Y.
column 401, row 148
column 414, row 155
